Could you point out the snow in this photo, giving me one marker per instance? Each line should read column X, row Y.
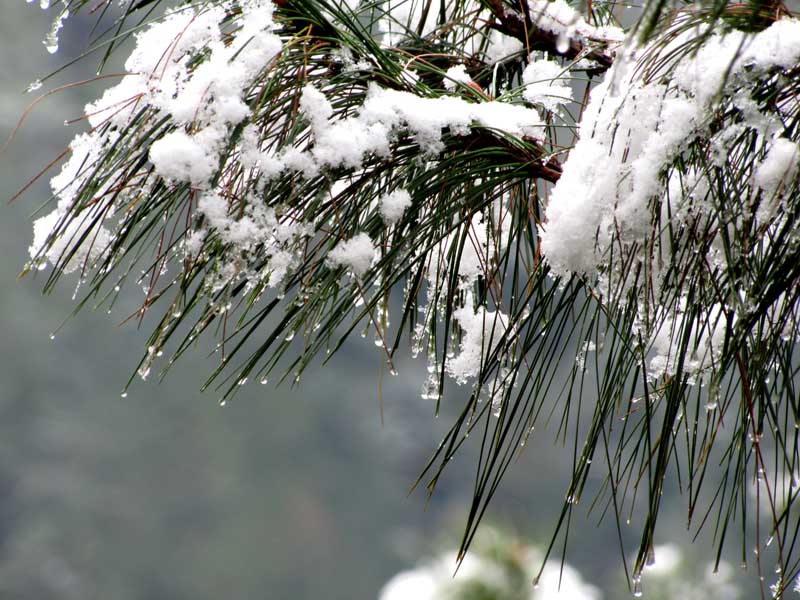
column 631, row 132
column 482, row 331
column 356, row 254
column 394, row 205
column 316, row 107
column 180, row 157
column 385, row 113
column 556, row 16
column 454, row 76
column 437, row 578
column 96, row 240
column 667, row 559
column 502, row 46
column 545, row 84
column 779, row 167
column 706, row 339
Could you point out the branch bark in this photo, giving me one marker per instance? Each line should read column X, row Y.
column 513, row 23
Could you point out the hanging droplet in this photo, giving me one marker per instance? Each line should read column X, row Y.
column 263, row 381
column 35, row 85
column 562, row 42
column 650, row 559
column 123, row 395
column 223, row 402
column 51, row 39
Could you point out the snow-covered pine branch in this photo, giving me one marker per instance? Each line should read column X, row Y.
column 512, row 183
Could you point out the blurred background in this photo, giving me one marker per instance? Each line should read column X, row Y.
column 285, row 492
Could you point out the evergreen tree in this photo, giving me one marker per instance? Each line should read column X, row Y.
column 593, row 199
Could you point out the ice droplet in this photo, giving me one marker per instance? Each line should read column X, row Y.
column 51, row 39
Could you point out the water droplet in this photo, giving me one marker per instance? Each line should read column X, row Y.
column 123, row 395
column 51, row 39
column 379, row 342
column 35, row 85
column 637, row 588
column 52, row 336
column 263, row 381
column 562, row 42
column 290, row 336
column 223, row 402
column 650, row 559
column 242, row 381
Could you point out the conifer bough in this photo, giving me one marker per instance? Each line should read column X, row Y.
column 550, row 205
